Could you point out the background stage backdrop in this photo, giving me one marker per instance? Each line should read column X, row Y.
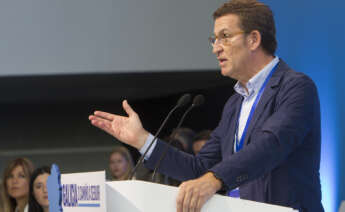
column 61, row 60
column 311, row 37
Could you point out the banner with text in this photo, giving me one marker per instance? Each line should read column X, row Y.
column 83, row 192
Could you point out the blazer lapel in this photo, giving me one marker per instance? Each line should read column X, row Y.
column 233, row 122
column 270, row 91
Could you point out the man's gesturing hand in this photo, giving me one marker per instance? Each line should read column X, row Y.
column 126, row 129
column 194, row 193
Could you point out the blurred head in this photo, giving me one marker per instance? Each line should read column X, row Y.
column 1, row 201
column 120, row 163
column 184, row 136
column 38, row 198
column 15, row 183
column 242, row 28
column 200, row 140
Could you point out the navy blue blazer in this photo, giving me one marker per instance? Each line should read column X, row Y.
column 280, row 160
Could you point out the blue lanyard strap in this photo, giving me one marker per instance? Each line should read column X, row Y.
column 239, row 143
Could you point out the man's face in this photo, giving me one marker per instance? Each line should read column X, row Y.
column 230, row 46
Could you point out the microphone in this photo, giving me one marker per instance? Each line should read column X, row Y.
column 197, row 101
column 183, row 100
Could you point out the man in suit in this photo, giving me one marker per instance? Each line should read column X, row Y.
column 266, row 147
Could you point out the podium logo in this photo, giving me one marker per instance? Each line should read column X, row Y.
column 74, row 195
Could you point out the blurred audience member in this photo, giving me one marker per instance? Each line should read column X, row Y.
column 200, row 140
column 15, row 183
column 120, row 163
column 38, row 196
column 145, row 174
column 185, row 137
column 168, row 180
column 1, row 200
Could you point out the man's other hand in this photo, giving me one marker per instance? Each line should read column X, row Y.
column 193, row 194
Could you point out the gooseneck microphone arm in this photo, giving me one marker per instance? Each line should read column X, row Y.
column 185, row 99
column 197, row 101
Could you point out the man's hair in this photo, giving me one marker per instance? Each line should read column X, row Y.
column 253, row 15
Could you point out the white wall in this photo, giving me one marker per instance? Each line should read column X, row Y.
column 87, row 36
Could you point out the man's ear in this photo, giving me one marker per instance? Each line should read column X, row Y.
column 254, row 40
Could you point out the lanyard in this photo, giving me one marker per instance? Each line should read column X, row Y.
column 239, row 143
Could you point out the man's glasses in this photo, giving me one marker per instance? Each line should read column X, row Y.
column 223, row 38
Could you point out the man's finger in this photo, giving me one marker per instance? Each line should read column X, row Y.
column 187, row 201
column 179, row 199
column 201, row 201
column 105, row 115
column 128, row 108
column 194, row 203
column 102, row 124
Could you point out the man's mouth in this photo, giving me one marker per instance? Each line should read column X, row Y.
column 222, row 61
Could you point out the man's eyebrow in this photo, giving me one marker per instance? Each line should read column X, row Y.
column 224, row 30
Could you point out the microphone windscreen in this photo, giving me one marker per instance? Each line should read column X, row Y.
column 185, row 99
column 198, row 100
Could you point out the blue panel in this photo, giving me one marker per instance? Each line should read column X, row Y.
column 311, row 39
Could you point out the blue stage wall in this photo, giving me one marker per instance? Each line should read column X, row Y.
column 311, row 39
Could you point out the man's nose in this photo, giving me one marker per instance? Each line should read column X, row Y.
column 216, row 48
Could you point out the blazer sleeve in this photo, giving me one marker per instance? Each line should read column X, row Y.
column 183, row 166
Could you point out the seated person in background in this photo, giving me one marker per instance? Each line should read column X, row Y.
column 120, row 163
column 1, row 200
column 38, row 195
column 185, row 137
column 200, row 140
column 15, row 183
column 181, row 139
column 178, row 145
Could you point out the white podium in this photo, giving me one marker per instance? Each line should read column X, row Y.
column 140, row 196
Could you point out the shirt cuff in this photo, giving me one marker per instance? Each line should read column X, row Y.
column 146, row 145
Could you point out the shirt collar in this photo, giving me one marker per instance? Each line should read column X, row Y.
column 255, row 83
